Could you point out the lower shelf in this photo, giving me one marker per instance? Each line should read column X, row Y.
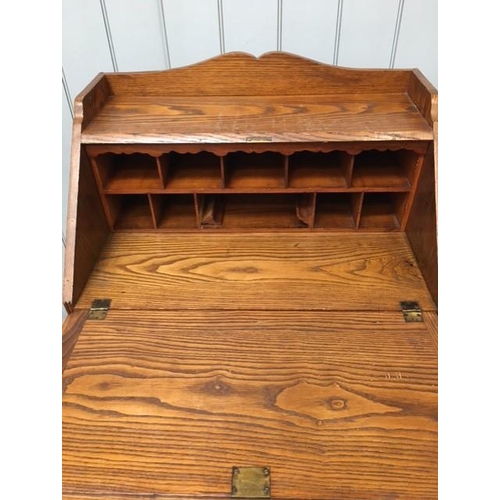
column 382, row 210
column 337, row 210
column 259, row 211
column 174, row 211
column 129, row 212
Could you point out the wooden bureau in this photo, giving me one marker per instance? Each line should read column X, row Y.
column 251, row 282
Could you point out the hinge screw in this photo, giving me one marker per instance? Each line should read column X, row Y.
column 266, row 472
column 266, row 490
column 234, row 490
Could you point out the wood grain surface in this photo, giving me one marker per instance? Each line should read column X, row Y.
column 297, row 119
column 71, row 329
column 274, row 73
column 421, row 229
column 287, row 271
column 161, row 404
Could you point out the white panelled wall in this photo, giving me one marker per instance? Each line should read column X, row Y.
column 140, row 35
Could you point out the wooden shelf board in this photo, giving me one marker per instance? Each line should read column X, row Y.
column 296, row 119
column 135, row 213
column 378, row 176
column 378, row 216
column 265, row 170
column 260, row 211
column 333, row 217
column 316, row 177
column 133, row 179
column 256, row 177
column 277, row 270
column 193, row 178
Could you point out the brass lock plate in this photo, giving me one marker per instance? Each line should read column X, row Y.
column 251, row 482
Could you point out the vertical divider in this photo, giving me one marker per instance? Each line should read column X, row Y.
column 223, row 171
column 109, row 211
column 112, row 207
column 162, row 164
column 411, row 163
column 198, row 207
column 404, row 210
column 357, row 207
column 402, row 205
column 306, row 208
column 155, row 203
column 347, row 166
column 286, row 163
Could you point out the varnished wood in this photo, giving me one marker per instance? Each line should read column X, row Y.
column 287, row 271
column 421, row 229
column 277, row 119
column 352, row 147
column 431, row 321
column 422, row 221
column 71, row 329
column 256, row 223
column 424, row 95
column 239, row 74
column 86, row 228
column 338, row 405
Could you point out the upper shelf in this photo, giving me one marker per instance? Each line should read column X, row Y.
column 237, row 98
column 215, row 119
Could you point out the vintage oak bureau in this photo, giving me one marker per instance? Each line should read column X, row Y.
column 251, row 282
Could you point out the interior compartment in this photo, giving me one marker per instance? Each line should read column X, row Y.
column 127, row 172
column 319, row 170
column 384, row 169
column 129, row 211
column 337, row 210
column 191, row 171
column 254, row 170
column 382, row 210
column 174, row 211
column 260, row 211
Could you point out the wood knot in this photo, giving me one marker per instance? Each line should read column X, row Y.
column 338, row 404
column 217, row 388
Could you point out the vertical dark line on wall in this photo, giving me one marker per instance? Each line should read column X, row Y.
column 279, row 44
column 222, row 40
column 396, row 33
column 108, row 34
column 338, row 27
column 166, row 49
column 63, row 240
column 67, row 93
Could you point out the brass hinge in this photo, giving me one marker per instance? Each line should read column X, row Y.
column 411, row 311
column 251, row 482
column 99, row 308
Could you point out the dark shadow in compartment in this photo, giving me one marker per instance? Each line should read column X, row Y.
column 337, row 210
column 122, row 172
column 191, row 170
column 129, row 211
column 254, row 170
column 261, row 211
column 384, row 169
column 209, row 210
column 319, row 170
column 382, row 210
column 174, row 211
